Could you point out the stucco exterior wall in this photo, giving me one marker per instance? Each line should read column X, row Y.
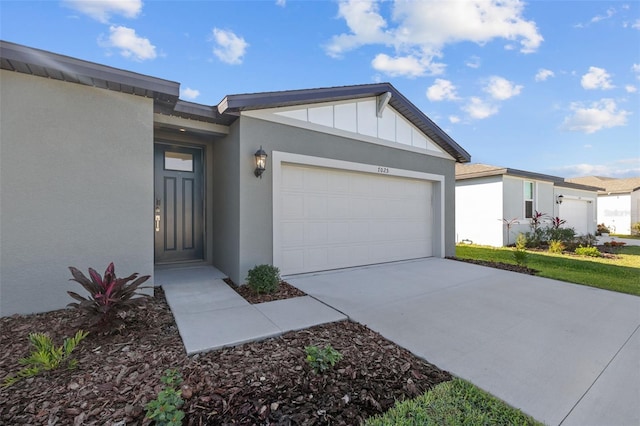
column 255, row 195
column 225, row 192
column 615, row 211
column 479, row 211
column 635, row 207
column 76, row 187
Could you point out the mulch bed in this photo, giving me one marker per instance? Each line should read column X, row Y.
column 258, row 383
column 498, row 265
column 285, row 291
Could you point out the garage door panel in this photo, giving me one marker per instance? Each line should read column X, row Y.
column 351, row 218
column 315, row 206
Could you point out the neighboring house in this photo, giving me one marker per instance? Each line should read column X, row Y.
column 100, row 164
column 618, row 201
column 485, row 195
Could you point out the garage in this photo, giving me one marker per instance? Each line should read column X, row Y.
column 332, row 218
column 577, row 213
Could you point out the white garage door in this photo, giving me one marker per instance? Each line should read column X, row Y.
column 576, row 213
column 333, row 218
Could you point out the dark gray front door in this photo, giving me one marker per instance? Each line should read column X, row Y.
column 178, row 209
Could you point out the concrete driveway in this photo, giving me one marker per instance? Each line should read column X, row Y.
column 563, row 353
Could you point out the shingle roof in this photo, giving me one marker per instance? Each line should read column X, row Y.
column 23, row 59
column 477, row 170
column 609, row 185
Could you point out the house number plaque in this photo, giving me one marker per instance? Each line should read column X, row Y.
column 384, row 170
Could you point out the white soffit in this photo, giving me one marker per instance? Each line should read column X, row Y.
column 361, row 119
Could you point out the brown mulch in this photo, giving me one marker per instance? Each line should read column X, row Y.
column 498, row 265
column 258, row 383
column 285, row 291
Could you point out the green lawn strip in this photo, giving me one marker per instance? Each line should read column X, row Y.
column 452, row 403
column 621, row 274
column 631, row 237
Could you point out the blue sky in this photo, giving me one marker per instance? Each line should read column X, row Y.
column 545, row 86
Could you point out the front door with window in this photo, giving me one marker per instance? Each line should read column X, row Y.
column 178, row 209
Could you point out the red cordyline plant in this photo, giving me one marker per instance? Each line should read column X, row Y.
column 109, row 296
column 556, row 222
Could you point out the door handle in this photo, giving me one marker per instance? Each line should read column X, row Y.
column 157, row 223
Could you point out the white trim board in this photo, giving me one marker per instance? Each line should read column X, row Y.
column 278, row 158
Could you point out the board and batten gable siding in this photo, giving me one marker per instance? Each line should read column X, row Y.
column 256, row 195
column 76, row 176
column 479, row 211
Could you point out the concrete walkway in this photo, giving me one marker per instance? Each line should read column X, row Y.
column 210, row 315
column 563, row 353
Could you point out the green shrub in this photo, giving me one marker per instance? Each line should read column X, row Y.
column 556, row 246
column 564, row 235
column 588, row 251
column 46, row 357
column 635, row 228
column 164, row 410
column 585, row 240
column 321, row 360
column 109, row 296
column 520, row 251
column 264, row 279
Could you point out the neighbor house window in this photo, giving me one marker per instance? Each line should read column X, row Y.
column 528, row 200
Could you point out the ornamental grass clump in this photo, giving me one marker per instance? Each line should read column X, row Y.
column 109, row 297
column 264, row 279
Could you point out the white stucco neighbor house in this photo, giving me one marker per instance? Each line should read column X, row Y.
column 101, row 164
column 618, row 201
column 486, row 195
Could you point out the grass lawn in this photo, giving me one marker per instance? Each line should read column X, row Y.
column 452, row 403
column 621, row 274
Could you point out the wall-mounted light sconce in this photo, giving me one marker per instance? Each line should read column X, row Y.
column 559, row 199
column 261, row 162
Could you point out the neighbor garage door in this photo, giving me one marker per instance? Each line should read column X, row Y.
column 576, row 213
column 332, row 218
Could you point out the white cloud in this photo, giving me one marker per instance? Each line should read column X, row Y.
column 598, row 115
column 188, row 93
column 130, row 44
column 628, row 167
column 596, row 78
column 610, row 12
column 442, row 90
column 408, row 66
column 102, row 10
column 636, row 69
column 479, row 109
column 630, row 88
column 366, row 24
column 281, row 3
column 543, row 74
column 419, row 30
column 454, row 119
column 229, row 47
column 636, row 24
column 501, row 88
column 473, row 62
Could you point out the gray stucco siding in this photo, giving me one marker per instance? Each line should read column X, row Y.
column 256, row 207
column 76, row 179
column 225, row 192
